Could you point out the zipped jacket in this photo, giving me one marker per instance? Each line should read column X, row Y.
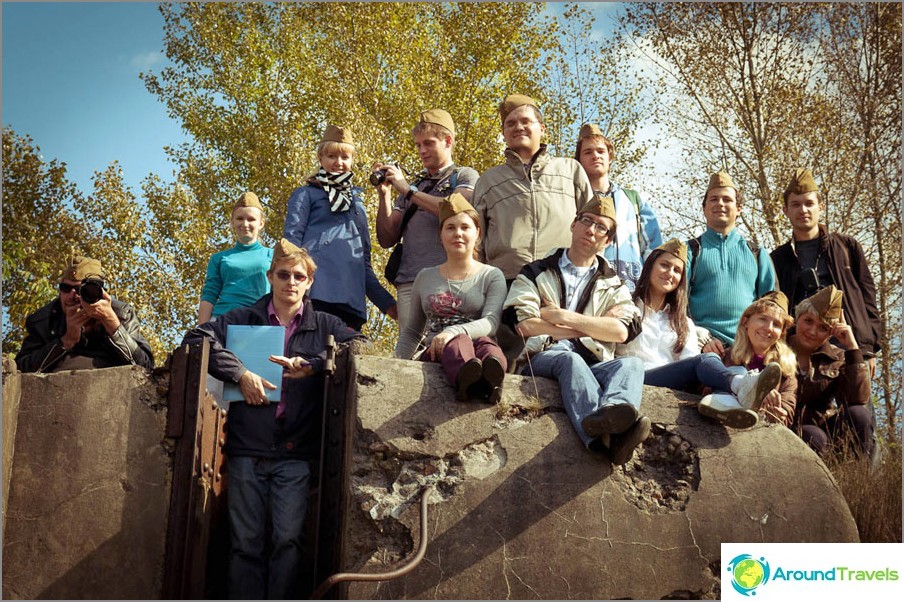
column 542, row 279
column 525, row 214
column 254, row 430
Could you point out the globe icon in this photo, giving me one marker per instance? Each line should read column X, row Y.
column 748, row 573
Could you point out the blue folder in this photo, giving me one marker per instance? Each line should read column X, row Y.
column 253, row 345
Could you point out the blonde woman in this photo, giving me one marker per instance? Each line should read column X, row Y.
column 326, row 217
column 760, row 340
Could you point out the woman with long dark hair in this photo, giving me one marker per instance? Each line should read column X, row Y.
column 668, row 346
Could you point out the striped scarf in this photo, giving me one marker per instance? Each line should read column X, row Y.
column 337, row 187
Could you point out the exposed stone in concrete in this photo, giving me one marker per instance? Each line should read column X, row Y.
column 89, row 490
column 11, row 395
column 524, row 511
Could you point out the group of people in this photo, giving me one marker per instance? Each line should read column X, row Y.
column 542, row 266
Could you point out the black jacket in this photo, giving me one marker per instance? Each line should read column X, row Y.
column 254, row 430
column 42, row 348
column 850, row 274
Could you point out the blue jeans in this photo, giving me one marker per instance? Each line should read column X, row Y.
column 256, row 485
column 705, row 369
column 587, row 388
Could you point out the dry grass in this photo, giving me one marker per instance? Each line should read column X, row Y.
column 873, row 494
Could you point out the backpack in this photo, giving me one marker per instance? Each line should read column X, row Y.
column 693, row 245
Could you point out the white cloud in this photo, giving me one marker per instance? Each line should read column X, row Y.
column 146, row 60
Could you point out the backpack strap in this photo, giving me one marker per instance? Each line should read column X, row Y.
column 409, row 213
column 693, row 245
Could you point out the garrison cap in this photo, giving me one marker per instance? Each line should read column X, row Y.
column 438, row 117
column 601, row 204
column 334, row 133
column 720, row 180
column 453, row 205
column 284, row 248
column 676, row 248
column 827, row 303
column 512, row 102
column 248, row 199
column 801, row 182
column 778, row 298
column 79, row 268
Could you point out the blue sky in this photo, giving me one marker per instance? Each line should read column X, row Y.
column 70, row 81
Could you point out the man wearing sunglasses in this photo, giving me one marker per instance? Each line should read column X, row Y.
column 573, row 308
column 71, row 334
column 270, row 447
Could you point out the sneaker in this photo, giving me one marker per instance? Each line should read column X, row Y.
column 621, row 447
column 470, row 373
column 725, row 408
column 755, row 386
column 613, row 418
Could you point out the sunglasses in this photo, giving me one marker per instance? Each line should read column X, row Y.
column 285, row 275
column 68, row 288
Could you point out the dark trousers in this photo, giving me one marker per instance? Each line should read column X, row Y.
column 257, row 485
column 852, row 426
column 463, row 348
column 351, row 320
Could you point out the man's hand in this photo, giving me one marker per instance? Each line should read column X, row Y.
column 253, row 388
column 554, row 315
column 395, row 178
column 76, row 321
column 102, row 311
column 294, row 367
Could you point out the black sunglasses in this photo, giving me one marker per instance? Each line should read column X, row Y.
column 68, row 288
column 285, row 274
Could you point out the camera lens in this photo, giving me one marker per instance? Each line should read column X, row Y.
column 91, row 290
column 378, row 177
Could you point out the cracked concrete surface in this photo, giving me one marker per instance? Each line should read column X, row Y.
column 522, row 510
column 89, row 490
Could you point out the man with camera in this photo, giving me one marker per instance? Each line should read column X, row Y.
column 815, row 258
column 415, row 215
column 83, row 328
column 725, row 271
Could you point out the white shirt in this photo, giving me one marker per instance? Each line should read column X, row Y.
column 656, row 340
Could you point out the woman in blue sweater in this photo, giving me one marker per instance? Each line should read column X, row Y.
column 327, row 218
column 237, row 277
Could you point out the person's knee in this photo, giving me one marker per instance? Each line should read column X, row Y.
column 816, row 438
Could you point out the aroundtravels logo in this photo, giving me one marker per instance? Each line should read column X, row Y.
column 748, row 573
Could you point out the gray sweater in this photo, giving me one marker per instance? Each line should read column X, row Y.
column 472, row 306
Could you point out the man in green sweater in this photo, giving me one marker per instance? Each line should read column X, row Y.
column 726, row 273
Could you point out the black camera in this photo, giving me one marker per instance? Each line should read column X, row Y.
column 378, row 177
column 91, row 290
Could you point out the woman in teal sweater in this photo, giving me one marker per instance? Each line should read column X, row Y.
column 237, row 277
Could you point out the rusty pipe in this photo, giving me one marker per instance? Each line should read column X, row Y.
column 394, row 574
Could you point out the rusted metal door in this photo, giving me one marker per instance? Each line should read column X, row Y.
column 196, row 423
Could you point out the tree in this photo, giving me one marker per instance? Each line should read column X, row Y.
column 255, row 85
column 783, row 86
column 40, row 229
column 863, row 62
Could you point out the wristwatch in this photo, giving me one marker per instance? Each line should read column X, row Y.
column 411, row 190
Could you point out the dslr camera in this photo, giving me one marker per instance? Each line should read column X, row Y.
column 91, row 290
